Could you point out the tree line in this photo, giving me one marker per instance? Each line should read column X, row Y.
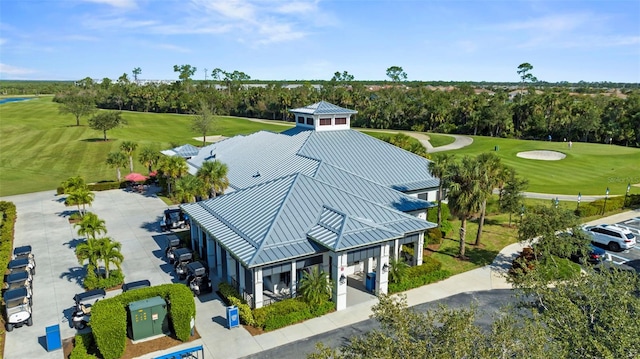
column 526, row 111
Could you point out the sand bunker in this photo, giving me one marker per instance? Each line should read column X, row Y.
column 211, row 139
column 542, row 155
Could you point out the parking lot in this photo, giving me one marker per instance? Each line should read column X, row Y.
column 42, row 222
column 632, row 254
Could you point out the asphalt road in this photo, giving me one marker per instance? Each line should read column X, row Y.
column 487, row 302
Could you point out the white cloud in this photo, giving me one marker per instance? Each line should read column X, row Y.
column 122, row 4
column 3, row 41
column 13, row 70
column 298, row 7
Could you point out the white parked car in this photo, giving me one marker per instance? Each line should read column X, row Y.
column 615, row 238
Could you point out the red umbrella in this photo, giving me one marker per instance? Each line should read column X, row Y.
column 153, row 173
column 135, row 177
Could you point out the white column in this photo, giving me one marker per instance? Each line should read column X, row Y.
column 292, row 285
column 382, row 276
column 396, row 249
column 339, row 289
column 257, row 287
column 419, row 249
column 219, row 261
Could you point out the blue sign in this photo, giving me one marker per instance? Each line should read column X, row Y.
column 53, row 338
column 233, row 317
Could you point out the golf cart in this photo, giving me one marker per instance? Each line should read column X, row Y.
column 173, row 218
column 25, row 252
column 183, row 256
column 173, row 243
column 82, row 310
column 22, row 264
column 135, row 285
column 198, row 278
column 17, row 308
column 20, row 279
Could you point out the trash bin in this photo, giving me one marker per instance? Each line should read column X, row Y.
column 370, row 282
column 53, row 337
column 233, row 317
column 496, row 148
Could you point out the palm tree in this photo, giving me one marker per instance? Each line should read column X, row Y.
column 172, row 167
column 188, row 188
column 128, row 147
column 315, row 286
column 491, row 168
column 465, row 194
column 89, row 251
column 149, row 157
column 79, row 197
column 438, row 168
column 110, row 253
column 91, row 225
column 214, row 175
column 398, row 270
column 117, row 160
column 73, row 183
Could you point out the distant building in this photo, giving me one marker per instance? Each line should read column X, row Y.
column 319, row 194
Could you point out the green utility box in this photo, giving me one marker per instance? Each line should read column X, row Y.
column 148, row 318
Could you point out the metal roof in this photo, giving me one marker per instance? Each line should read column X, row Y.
column 323, row 108
column 278, row 220
column 260, row 157
column 368, row 157
column 185, row 151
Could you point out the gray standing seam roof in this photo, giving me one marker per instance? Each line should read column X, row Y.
column 323, row 108
column 275, row 221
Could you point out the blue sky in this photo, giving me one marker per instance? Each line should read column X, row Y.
column 590, row 40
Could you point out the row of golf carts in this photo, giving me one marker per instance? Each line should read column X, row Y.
column 18, row 288
column 195, row 273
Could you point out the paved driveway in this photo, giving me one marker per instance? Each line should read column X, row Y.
column 42, row 222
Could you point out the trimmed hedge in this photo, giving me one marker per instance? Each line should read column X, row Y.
column 83, row 345
column 595, row 208
column 231, row 296
column 288, row 312
column 429, row 272
column 434, row 236
column 8, row 210
column 100, row 186
column 109, row 317
column 445, row 225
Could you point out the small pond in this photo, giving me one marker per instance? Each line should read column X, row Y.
column 13, row 99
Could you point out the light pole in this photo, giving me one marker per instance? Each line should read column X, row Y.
column 606, row 197
column 626, row 196
column 579, row 199
column 556, row 202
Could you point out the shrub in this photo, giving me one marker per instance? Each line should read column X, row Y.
column 595, row 208
column 59, row 191
column 434, row 236
column 92, row 281
column 109, row 327
column 228, row 291
column 287, row 312
column 246, row 316
column 429, row 272
column 84, row 344
column 633, row 200
column 109, row 317
column 445, row 226
column 104, row 186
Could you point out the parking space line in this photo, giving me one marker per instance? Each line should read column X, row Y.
column 617, row 257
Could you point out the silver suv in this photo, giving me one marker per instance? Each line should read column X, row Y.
column 614, row 238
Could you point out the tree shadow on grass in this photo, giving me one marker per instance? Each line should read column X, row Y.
column 97, row 140
column 475, row 255
column 75, row 274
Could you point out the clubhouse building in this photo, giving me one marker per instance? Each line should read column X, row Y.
column 316, row 195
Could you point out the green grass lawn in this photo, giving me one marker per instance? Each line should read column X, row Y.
column 39, row 148
column 438, row 140
column 589, row 168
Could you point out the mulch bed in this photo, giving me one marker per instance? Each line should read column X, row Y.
column 136, row 350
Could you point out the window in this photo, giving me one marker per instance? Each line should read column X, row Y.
column 300, row 119
column 341, row 120
column 325, row 122
column 310, row 121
